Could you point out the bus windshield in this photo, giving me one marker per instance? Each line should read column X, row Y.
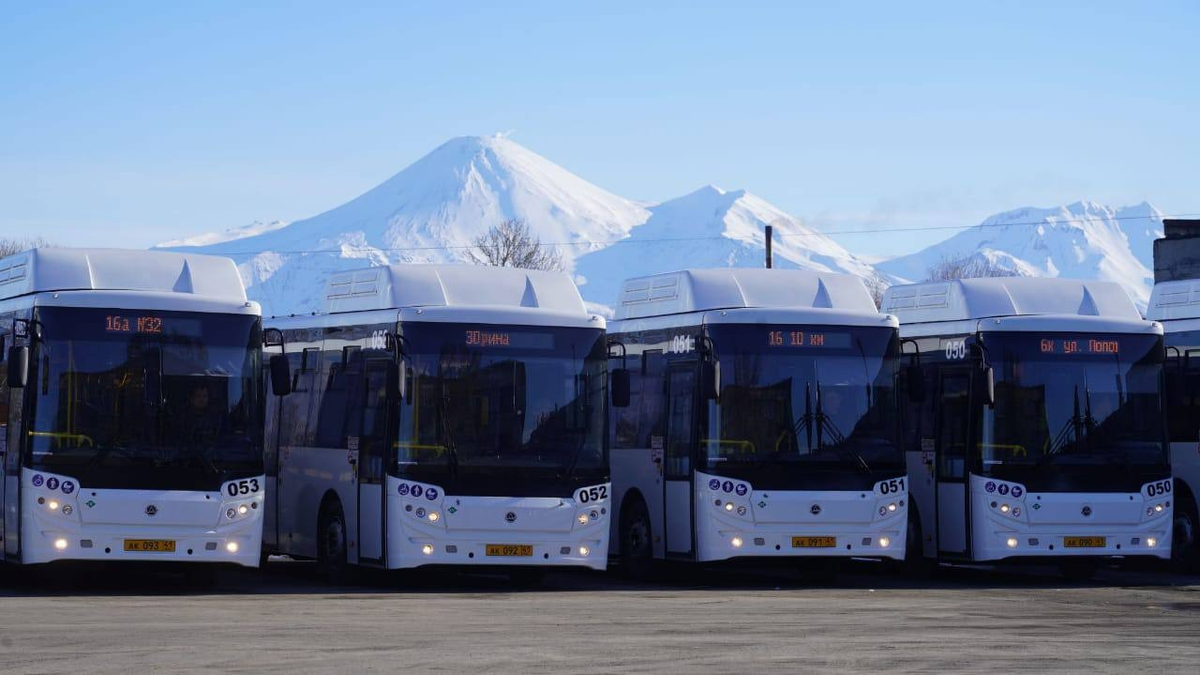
column 804, row 399
column 490, row 399
column 124, row 398
column 1071, row 399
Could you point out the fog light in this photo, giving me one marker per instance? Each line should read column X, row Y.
column 583, row 519
column 1012, row 542
column 736, row 541
column 584, row 551
column 53, row 505
column 1151, row 542
column 1004, row 508
column 728, row 506
column 892, row 507
column 60, row 544
column 243, row 509
column 433, row 516
column 884, row 542
column 232, row 547
column 427, row 549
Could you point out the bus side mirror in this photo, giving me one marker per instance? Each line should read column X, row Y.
column 620, row 388
column 987, row 386
column 914, row 379
column 18, row 366
column 710, row 380
column 281, row 375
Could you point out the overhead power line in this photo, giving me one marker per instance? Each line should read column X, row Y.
column 668, row 240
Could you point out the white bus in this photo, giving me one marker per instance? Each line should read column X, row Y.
column 762, row 420
column 130, row 408
column 441, row 415
column 1176, row 304
column 1042, row 437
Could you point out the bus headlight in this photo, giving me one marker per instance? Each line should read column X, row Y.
column 243, row 509
column 728, row 506
column 231, row 513
column 52, row 504
column 892, row 506
column 1004, row 508
column 67, row 510
column 433, row 516
column 583, row 519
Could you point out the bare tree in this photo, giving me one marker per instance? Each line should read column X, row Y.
column 969, row 267
column 10, row 246
column 876, row 285
column 512, row 244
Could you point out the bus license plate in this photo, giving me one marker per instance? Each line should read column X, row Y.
column 510, row 550
column 814, row 542
column 150, row 545
column 1085, row 542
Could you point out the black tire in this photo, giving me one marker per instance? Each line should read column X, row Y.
column 331, row 543
column 637, row 542
column 1185, row 552
column 1078, row 569
column 915, row 565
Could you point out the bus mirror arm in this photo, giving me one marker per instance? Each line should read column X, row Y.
column 18, row 366
column 281, row 375
column 914, row 377
column 397, row 388
column 989, row 386
column 619, row 393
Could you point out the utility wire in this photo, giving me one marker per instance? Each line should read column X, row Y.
column 667, row 240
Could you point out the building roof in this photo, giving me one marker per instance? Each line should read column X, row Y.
column 109, row 269
column 969, row 299
column 700, row 290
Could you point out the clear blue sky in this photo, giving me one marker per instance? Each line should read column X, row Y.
column 133, row 123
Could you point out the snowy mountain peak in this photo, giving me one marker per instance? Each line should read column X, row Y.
column 1084, row 240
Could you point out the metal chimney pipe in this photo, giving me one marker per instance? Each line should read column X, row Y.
column 770, row 233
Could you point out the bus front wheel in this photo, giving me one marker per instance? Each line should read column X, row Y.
column 637, row 548
column 331, row 543
column 1184, row 552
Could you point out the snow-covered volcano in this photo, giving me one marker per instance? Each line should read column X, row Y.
column 1083, row 240
column 710, row 228
column 429, row 212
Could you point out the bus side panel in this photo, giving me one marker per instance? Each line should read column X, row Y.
column 633, row 469
column 307, row 476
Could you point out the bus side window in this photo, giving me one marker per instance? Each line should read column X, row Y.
column 293, row 421
column 3, row 395
column 1183, row 397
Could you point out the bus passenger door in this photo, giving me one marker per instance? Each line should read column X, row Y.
column 953, row 436
column 680, row 444
column 374, row 421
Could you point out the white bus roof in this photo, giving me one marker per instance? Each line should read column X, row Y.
column 43, row 270
column 972, row 299
column 702, row 290
column 1174, row 300
column 452, row 286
